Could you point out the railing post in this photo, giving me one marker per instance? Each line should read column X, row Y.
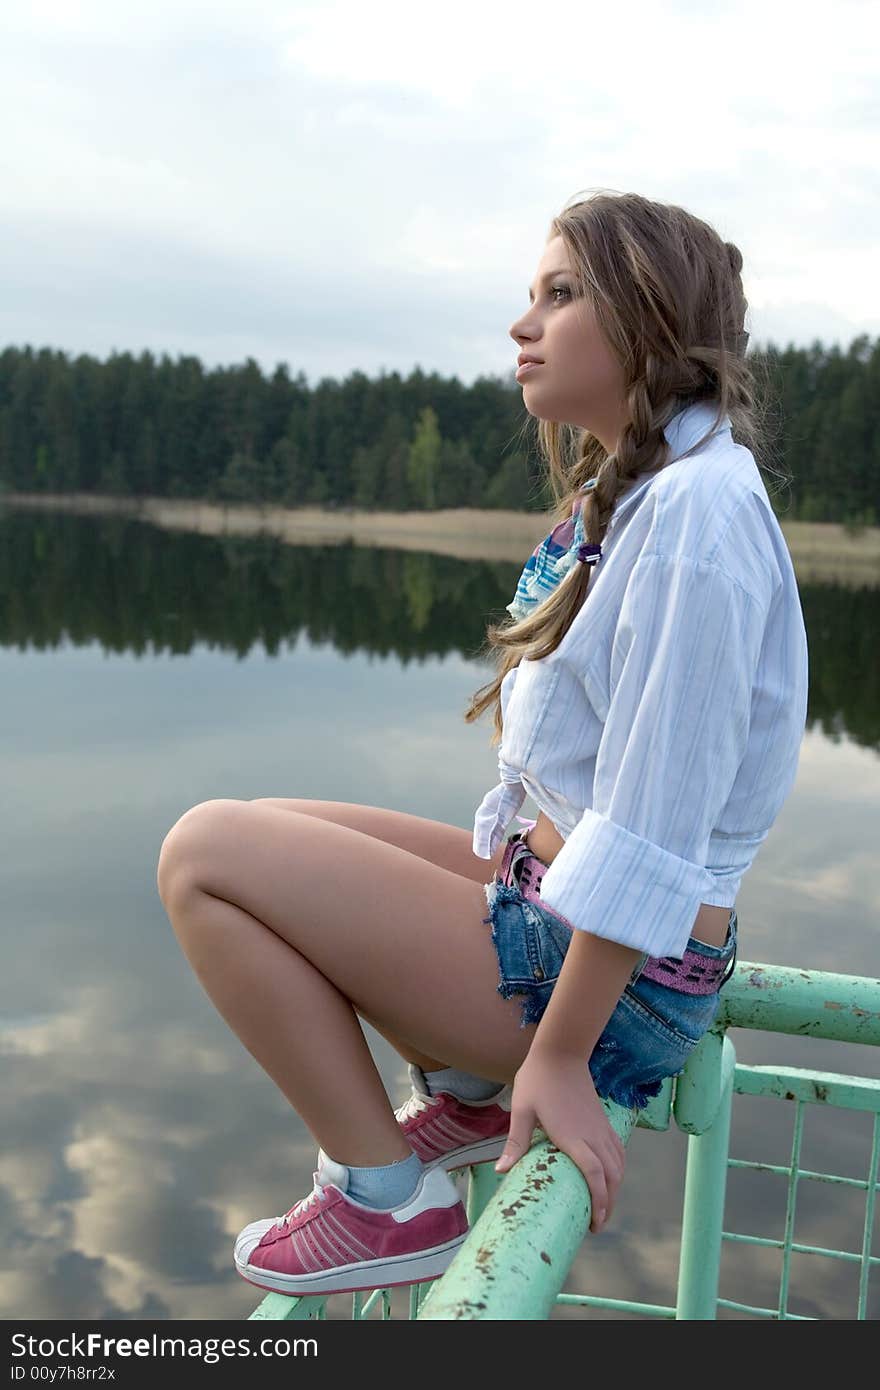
column 483, row 1184
column 705, row 1181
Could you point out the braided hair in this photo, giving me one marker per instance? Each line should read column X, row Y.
column 668, row 297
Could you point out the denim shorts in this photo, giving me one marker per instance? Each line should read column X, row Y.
column 653, row 1028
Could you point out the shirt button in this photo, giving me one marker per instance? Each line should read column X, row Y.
column 539, row 974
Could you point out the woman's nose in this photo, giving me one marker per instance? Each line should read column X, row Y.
column 520, row 332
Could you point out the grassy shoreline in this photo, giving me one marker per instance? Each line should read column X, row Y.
column 821, row 551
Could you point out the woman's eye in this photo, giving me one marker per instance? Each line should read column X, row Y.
column 559, row 289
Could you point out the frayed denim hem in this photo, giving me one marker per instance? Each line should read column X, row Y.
column 631, row 1095
column 497, row 894
column 617, row 1054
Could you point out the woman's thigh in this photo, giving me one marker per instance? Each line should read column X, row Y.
column 448, row 846
column 399, row 933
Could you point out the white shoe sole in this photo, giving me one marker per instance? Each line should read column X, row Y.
column 417, row 1268
column 483, row 1151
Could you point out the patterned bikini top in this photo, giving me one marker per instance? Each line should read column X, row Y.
column 552, row 559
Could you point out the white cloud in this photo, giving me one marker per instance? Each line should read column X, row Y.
column 342, row 186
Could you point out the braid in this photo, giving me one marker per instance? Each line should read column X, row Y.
column 641, row 444
column 667, row 294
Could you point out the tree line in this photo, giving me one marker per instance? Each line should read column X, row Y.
column 155, row 426
column 138, row 589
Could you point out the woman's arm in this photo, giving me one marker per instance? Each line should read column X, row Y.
column 554, row 1089
column 631, row 875
column 593, row 977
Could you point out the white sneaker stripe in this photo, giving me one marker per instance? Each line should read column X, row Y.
column 427, row 1152
column 304, row 1253
column 321, row 1239
column 348, row 1239
column 310, row 1234
column 433, row 1143
column 452, row 1129
column 332, row 1247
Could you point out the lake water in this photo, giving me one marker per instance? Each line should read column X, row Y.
column 145, row 671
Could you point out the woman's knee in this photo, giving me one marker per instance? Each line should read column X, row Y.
column 192, row 842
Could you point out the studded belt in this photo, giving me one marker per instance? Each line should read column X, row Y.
column 693, row 973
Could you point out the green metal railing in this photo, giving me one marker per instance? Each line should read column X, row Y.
column 527, row 1226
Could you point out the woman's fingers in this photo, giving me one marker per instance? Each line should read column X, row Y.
column 594, row 1172
column 519, row 1137
column 615, row 1162
column 558, row 1095
column 603, row 1172
column 600, row 1163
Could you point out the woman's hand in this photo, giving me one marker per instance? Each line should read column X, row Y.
column 556, row 1092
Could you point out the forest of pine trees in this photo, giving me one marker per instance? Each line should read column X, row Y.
column 147, row 426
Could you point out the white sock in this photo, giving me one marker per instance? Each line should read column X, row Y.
column 463, row 1085
column 386, row 1185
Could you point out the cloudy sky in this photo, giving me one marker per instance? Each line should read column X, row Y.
column 340, row 185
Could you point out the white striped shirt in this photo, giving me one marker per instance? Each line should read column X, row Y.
column 662, row 736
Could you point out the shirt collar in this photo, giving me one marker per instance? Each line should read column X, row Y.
column 681, row 433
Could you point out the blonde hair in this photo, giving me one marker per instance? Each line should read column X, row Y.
column 668, row 298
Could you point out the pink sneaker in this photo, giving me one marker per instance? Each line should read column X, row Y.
column 451, row 1133
column 329, row 1243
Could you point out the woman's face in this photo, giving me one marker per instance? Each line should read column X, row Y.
column 578, row 381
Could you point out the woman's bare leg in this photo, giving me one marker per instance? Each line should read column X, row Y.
column 439, row 843
column 293, row 922
column 447, row 846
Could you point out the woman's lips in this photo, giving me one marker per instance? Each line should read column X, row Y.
column 527, row 367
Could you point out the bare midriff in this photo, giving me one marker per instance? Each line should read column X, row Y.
column 710, row 923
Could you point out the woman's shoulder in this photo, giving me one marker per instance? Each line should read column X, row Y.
column 713, row 509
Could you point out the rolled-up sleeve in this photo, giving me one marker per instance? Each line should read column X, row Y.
column 684, row 657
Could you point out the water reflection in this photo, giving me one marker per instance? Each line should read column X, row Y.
column 135, row 588
column 145, row 672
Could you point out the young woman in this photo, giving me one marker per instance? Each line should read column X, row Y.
column 651, row 691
